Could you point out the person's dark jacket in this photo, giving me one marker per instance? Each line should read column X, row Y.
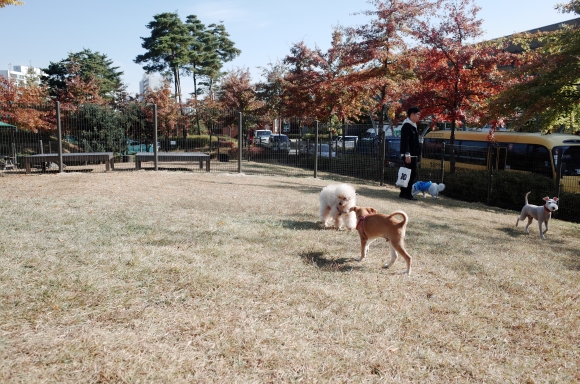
column 410, row 140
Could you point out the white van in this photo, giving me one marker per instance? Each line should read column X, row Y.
column 389, row 130
column 262, row 136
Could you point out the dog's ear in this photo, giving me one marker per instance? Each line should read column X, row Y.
column 555, row 199
column 371, row 210
column 546, row 198
column 352, row 209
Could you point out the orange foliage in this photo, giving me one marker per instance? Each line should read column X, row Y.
column 317, row 83
column 168, row 112
column 78, row 90
column 26, row 105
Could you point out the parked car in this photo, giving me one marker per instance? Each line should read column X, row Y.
column 370, row 146
column 393, row 152
column 262, row 136
column 388, row 129
column 324, row 150
column 349, row 142
column 279, row 142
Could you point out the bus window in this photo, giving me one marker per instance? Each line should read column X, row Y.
column 570, row 157
column 529, row 157
column 501, row 158
column 516, row 156
column 539, row 160
column 432, row 148
column 473, row 152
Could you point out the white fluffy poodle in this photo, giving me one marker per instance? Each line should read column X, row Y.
column 335, row 203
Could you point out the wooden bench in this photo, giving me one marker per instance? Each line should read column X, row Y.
column 43, row 158
column 173, row 156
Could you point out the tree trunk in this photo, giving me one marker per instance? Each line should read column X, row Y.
column 177, row 82
column 195, row 99
column 452, row 147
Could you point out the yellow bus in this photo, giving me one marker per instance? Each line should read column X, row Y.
column 547, row 155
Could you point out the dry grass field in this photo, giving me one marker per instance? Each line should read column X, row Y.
column 179, row 277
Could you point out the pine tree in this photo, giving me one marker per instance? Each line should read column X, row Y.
column 90, row 67
column 167, row 47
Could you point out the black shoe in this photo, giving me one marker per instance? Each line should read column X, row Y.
column 410, row 197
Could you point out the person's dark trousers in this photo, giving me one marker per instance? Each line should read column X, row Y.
column 406, row 192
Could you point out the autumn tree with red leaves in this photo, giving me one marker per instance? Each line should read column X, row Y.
column 168, row 111
column 236, row 91
column 271, row 91
column 317, row 82
column 79, row 89
column 456, row 76
column 25, row 104
column 381, row 53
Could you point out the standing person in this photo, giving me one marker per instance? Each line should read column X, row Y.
column 410, row 150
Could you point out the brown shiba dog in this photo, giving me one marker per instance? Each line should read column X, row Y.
column 372, row 225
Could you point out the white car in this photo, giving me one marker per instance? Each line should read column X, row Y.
column 279, row 143
column 349, row 142
column 262, row 136
column 388, row 129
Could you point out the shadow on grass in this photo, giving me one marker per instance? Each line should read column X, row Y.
column 330, row 265
column 533, row 235
column 300, row 225
column 573, row 262
column 513, row 231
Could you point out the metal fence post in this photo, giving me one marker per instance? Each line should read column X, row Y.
column 490, row 174
column 561, row 168
column 383, row 142
column 155, row 149
column 240, row 141
column 59, row 134
column 443, row 162
column 316, row 152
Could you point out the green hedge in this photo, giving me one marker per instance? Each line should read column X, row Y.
column 571, row 202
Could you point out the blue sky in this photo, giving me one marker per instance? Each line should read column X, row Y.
column 42, row 31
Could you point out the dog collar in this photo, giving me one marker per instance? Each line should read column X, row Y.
column 546, row 209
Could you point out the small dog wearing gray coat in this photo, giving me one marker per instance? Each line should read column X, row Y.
column 541, row 213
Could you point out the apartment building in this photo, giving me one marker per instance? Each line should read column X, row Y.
column 150, row 81
column 19, row 73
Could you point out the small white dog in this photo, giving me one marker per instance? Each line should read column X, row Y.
column 427, row 186
column 336, row 200
column 541, row 213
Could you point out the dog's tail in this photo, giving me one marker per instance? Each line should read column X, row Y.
column 441, row 187
column 403, row 214
column 527, row 197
